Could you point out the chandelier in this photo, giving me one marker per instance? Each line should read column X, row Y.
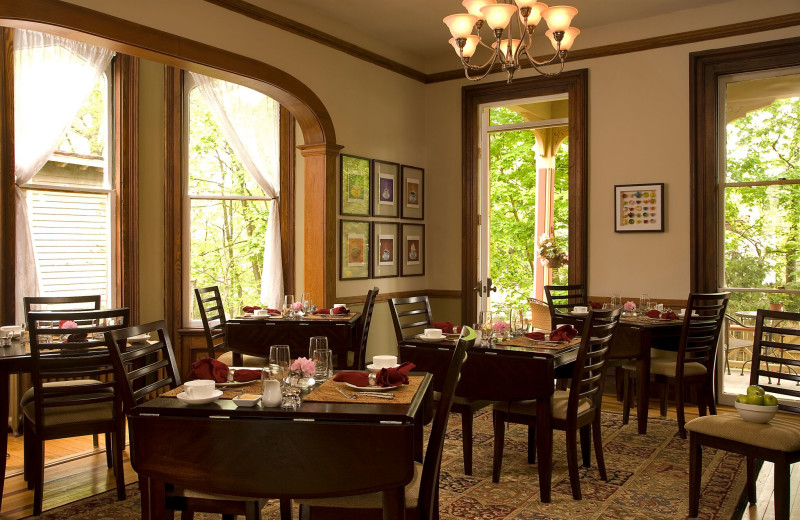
column 512, row 25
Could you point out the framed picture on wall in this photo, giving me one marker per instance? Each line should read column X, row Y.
column 412, row 240
column 385, row 258
column 638, row 207
column 354, row 187
column 354, row 249
column 386, row 195
column 413, row 181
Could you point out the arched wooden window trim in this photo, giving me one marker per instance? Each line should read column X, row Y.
column 320, row 150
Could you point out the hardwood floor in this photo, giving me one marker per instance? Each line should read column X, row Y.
column 75, row 470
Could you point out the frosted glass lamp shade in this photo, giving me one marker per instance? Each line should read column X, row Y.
column 498, row 15
column 469, row 48
column 504, row 46
column 569, row 38
column 460, row 25
column 559, row 17
column 474, row 6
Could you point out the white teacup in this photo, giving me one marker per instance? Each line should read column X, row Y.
column 261, row 312
column 14, row 330
column 384, row 361
column 272, row 393
column 433, row 333
column 580, row 309
column 199, row 388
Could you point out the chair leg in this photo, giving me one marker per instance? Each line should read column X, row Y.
column 781, row 496
column 27, row 455
column 109, row 451
column 305, row 512
column 664, row 397
column 95, row 440
column 499, row 439
column 702, row 400
column 252, row 510
column 38, row 477
column 680, row 398
column 586, row 446
column 286, row 509
column 228, row 517
column 597, row 438
column 531, row 444
column 695, row 470
column 187, row 514
column 119, row 470
column 627, row 392
column 751, row 479
column 572, row 463
column 711, row 397
column 466, row 439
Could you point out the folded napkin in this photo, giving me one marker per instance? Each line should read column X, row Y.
column 669, row 316
column 596, row 305
column 335, row 310
column 538, row 336
column 246, row 374
column 394, row 376
column 653, row 313
column 564, row 333
column 208, row 368
column 250, row 308
column 354, row 378
column 446, row 326
column 78, row 337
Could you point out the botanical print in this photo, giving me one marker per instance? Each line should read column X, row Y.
column 385, row 249
column 386, row 189
column 413, row 252
column 412, row 193
column 355, row 250
column 357, row 190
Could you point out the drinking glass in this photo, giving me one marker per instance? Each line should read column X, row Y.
column 644, row 302
column 615, row 299
column 279, row 355
column 322, row 363
column 317, row 343
column 306, row 302
column 288, row 300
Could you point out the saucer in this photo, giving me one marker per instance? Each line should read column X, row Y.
column 372, row 368
column 425, row 338
column 575, row 313
column 199, row 400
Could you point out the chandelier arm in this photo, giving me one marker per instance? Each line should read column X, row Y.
column 468, row 67
column 556, row 57
column 490, row 62
column 548, row 74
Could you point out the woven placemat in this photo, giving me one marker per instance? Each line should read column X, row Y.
column 227, row 393
column 645, row 319
column 327, row 393
column 523, row 341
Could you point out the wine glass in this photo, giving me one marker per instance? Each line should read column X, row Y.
column 317, row 343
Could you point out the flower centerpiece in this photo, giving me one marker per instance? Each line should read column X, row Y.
column 500, row 328
column 297, row 308
column 629, row 308
column 75, row 337
column 302, row 372
column 551, row 254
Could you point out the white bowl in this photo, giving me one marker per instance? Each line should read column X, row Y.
column 241, row 400
column 756, row 413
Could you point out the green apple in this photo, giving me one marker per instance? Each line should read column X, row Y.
column 741, row 398
column 755, row 390
column 755, row 399
column 770, row 400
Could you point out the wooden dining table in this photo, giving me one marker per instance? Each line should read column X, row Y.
column 321, row 449
column 254, row 335
column 15, row 359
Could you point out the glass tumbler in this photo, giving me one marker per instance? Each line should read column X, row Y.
column 323, row 364
column 317, row 343
column 279, row 356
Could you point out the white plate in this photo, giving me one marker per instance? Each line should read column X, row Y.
column 370, row 388
column 574, row 313
column 372, row 368
column 232, row 384
column 238, row 401
column 426, row 339
column 200, row 400
column 141, row 338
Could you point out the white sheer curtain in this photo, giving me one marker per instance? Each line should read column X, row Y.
column 52, row 78
column 255, row 137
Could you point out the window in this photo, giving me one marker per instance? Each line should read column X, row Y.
column 226, row 211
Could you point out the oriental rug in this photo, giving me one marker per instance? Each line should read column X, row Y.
column 648, row 479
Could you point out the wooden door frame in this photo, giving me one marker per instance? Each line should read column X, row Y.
column 575, row 84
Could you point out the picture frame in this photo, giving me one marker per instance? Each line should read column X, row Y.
column 354, row 185
column 413, row 251
column 354, row 249
column 386, row 180
column 639, row 208
column 413, row 192
column 386, row 255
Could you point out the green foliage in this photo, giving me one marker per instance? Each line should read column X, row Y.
column 87, row 134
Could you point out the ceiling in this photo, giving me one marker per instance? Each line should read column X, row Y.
column 415, row 26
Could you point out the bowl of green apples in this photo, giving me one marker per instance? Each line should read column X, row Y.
column 756, row 405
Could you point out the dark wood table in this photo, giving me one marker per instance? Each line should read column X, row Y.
column 320, row 449
column 15, row 359
column 255, row 335
column 503, row 373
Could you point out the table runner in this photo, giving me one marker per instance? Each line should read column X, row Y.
column 523, row 341
column 227, row 393
column 327, row 393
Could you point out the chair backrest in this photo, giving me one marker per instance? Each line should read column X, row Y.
column 366, row 321
column 702, row 324
column 55, row 303
column 142, row 368
column 72, row 353
column 410, row 315
column 589, row 368
column 540, row 314
column 212, row 315
column 429, row 480
column 777, row 345
column 561, row 298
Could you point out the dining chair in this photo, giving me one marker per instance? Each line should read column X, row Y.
column 422, row 493
column 411, row 316
column 212, row 314
column 694, row 363
column 574, row 410
column 735, row 339
column 540, row 314
column 145, row 370
column 86, row 401
column 777, row 441
column 366, row 321
column 561, row 298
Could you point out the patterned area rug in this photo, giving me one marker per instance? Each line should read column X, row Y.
column 648, row 479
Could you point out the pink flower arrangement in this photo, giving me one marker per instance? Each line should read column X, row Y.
column 67, row 324
column 629, row 306
column 500, row 327
column 297, row 306
column 304, row 365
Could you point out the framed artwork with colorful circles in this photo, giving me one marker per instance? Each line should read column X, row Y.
column 638, row 207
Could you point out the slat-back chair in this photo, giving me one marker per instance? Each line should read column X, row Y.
column 89, row 405
column 366, row 321
column 145, row 370
column 212, row 314
column 576, row 410
column 410, row 316
column 733, row 342
column 777, row 441
column 561, row 298
column 423, row 489
column 694, row 364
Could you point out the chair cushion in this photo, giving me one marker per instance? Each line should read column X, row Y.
column 560, row 403
column 370, row 500
column 247, row 361
column 780, row 433
column 191, row 493
column 72, row 414
column 667, row 367
column 27, row 397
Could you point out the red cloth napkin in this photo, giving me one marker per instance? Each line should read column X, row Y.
column 669, row 316
column 596, row 305
column 354, row 378
column 250, row 308
column 538, row 336
column 653, row 313
column 336, row 310
column 394, row 376
column 446, row 326
column 564, row 333
column 246, row 374
column 208, row 368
